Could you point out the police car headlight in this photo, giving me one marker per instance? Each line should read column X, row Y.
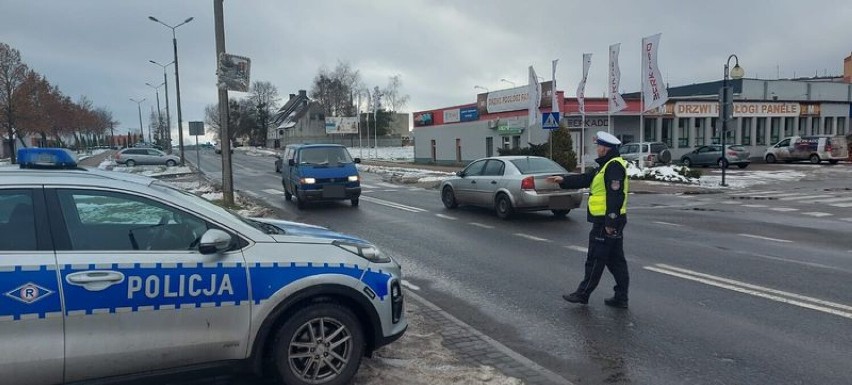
column 353, row 178
column 308, row 181
column 368, row 252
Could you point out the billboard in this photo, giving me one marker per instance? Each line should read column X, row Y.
column 423, row 119
column 469, row 114
column 341, row 125
column 452, row 116
column 513, row 99
column 234, row 72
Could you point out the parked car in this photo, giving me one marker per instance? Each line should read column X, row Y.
column 712, row 155
column 657, row 154
column 815, row 149
column 509, row 184
column 107, row 275
column 319, row 172
column 145, row 156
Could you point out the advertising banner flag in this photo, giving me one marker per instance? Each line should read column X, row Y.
column 616, row 102
column 555, row 103
column 534, row 97
column 581, row 88
column 653, row 87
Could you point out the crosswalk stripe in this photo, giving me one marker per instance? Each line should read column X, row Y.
column 846, row 219
column 755, row 193
column 784, row 209
column 844, row 205
column 835, row 200
column 756, row 206
column 805, row 197
column 273, row 191
column 783, row 195
column 818, row 214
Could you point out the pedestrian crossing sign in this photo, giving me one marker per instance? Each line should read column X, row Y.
column 550, row 120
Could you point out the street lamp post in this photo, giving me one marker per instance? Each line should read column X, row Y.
column 159, row 114
column 726, row 104
column 508, row 81
column 168, row 116
column 177, row 82
column 139, row 107
column 481, row 88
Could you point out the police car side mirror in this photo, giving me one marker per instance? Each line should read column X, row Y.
column 214, row 241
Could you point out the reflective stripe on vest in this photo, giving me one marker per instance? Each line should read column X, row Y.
column 597, row 195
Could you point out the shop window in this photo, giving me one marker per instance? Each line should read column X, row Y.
column 489, row 147
column 650, row 130
column 828, row 126
column 761, row 131
column 815, row 129
column 774, row 130
column 746, row 127
column 716, row 129
column 507, row 142
column 516, row 141
column 803, row 126
column 841, row 126
column 683, row 128
column 667, row 132
column 699, row 132
column 789, row 125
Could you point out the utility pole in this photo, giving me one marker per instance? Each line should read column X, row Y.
column 224, row 136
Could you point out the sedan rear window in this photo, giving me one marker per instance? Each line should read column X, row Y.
column 537, row 166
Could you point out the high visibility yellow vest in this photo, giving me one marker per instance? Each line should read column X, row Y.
column 597, row 195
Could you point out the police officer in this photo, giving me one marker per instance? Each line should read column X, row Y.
column 608, row 215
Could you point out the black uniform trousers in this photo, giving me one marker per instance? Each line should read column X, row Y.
column 605, row 251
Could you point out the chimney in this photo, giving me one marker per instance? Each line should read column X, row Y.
column 303, row 93
column 292, row 96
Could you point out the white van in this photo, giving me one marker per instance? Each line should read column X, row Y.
column 815, row 148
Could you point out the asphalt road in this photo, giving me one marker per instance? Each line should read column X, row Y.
column 732, row 288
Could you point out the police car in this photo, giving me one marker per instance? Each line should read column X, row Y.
column 104, row 274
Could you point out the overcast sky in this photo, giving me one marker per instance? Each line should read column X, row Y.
column 441, row 48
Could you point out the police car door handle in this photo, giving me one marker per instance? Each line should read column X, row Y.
column 95, row 280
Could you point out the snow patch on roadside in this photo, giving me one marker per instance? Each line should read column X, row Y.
column 256, row 151
column 406, row 175
column 384, row 153
column 737, row 179
column 150, row 171
column 662, row 173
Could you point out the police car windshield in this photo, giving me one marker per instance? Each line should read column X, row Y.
column 212, row 207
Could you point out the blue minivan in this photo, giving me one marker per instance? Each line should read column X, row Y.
column 319, row 172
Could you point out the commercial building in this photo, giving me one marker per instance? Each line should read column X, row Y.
column 765, row 111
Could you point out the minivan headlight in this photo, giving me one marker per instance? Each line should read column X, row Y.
column 368, row 252
column 308, row 180
column 353, row 178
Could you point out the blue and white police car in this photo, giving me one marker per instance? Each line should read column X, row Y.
column 104, row 274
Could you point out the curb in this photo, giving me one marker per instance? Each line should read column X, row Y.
column 477, row 348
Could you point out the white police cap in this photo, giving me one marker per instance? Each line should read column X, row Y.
column 606, row 139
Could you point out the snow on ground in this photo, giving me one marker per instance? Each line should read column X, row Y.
column 738, row 179
column 662, row 173
column 406, row 175
column 383, row 153
column 5, row 162
column 256, row 151
column 151, row 171
column 92, row 153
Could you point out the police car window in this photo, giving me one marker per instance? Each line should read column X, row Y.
column 17, row 224
column 98, row 220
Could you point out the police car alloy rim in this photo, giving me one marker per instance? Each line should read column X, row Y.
column 320, row 350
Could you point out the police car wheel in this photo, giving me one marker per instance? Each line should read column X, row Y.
column 503, row 206
column 449, row 198
column 320, row 344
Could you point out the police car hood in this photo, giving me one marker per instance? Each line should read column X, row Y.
column 306, row 230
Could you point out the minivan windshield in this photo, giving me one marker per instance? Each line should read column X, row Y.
column 328, row 156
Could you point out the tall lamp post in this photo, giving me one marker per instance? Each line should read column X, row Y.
column 139, row 107
column 159, row 115
column 508, row 81
column 481, row 88
column 177, row 82
column 168, row 116
column 726, row 103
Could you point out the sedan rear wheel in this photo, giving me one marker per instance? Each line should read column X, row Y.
column 503, row 206
column 170, row 163
column 815, row 159
column 560, row 213
column 130, row 163
column 449, row 198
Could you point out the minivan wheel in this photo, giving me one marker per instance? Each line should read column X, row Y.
column 449, row 198
column 287, row 195
column 130, row 163
column 503, row 206
column 319, row 344
column 771, row 158
column 354, row 202
column 170, row 163
column 300, row 200
column 815, row 159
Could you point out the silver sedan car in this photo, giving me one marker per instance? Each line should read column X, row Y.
column 509, row 184
column 145, row 156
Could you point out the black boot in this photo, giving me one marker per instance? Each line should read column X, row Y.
column 576, row 298
column 616, row 302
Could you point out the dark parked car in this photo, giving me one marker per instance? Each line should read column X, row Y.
column 712, row 155
column 509, row 184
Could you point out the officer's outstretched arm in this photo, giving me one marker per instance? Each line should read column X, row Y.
column 578, row 181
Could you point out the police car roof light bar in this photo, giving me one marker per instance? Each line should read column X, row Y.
column 49, row 158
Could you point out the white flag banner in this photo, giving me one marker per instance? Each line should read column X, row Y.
column 616, row 102
column 555, row 103
column 581, row 88
column 653, row 87
column 535, row 97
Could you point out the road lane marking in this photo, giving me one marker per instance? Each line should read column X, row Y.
column 809, row 264
column 844, row 205
column 784, row 209
column 394, row 205
column 410, row 285
column 578, row 248
column 755, row 290
column 668, row 224
column 273, row 191
column 817, row 214
column 764, row 238
column 782, row 195
column 388, row 190
column 755, row 206
column 531, row 237
column 446, row 217
column 805, row 197
column 756, row 193
column 484, row 226
column 847, row 219
column 834, row 200
column 732, row 202
column 391, row 185
column 369, row 186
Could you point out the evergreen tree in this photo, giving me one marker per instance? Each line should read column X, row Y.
column 563, row 148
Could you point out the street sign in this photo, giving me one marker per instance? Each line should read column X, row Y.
column 234, row 72
column 550, row 120
column 196, row 128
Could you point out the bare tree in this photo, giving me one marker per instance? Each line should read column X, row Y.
column 264, row 99
column 336, row 90
column 394, row 100
column 13, row 72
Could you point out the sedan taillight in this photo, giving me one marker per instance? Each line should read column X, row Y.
column 731, row 153
column 528, row 183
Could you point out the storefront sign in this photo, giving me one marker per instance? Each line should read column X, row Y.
column 591, row 122
column 469, row 114
column 504, row 128
column 513, row 99
column 811, row 110
column 452, row 116
column 423, row 119
column 711, row 109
